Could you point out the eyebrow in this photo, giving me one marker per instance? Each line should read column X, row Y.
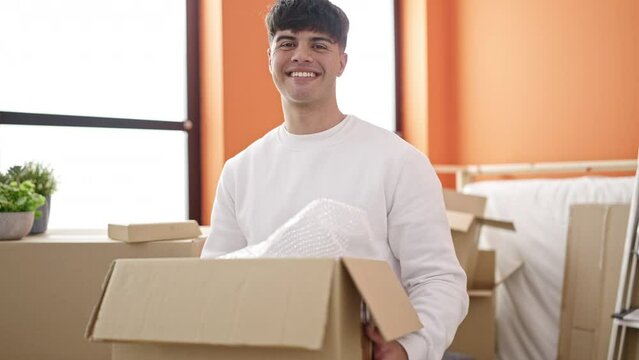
column 315, row 38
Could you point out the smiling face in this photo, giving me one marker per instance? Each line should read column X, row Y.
column 305, row 65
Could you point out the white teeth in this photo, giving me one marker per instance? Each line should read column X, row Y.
column 303, row 74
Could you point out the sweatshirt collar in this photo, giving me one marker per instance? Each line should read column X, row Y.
column 311, row 141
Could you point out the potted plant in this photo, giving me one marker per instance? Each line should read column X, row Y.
column 18, row 208
column 45, row 184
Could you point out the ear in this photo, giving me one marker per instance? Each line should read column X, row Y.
column 268, row 53
column 343, row 59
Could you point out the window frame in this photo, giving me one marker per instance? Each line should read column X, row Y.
column 398, row 59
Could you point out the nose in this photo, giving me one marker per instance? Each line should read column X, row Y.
column 302, row 54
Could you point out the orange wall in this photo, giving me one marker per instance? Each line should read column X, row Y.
column 533, row 80
column 239, row 101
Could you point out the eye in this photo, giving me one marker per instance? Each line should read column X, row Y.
column 287, row 45
column 320, row 46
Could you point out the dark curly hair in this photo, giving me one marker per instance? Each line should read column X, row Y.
column 314, row 15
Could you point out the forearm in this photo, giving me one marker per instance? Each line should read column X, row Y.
column 441, row 305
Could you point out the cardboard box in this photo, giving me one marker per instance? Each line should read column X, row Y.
column 595, row 244
column 155, row 231
column 476, row 336
column 466, row 217
column 50, row 283
column 247, row 308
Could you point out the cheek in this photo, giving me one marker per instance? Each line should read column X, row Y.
column 275, row 65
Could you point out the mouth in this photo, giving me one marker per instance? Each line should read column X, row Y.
column 302, row 74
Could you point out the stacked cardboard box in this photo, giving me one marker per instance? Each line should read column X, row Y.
column 466, row 218
column 476, row 335
column 50, row 284
column 154, row 231
column 596, row 238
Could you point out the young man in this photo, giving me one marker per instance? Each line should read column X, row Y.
column 319, row 152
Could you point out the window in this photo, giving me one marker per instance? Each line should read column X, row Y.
column 105, row 175
column 100, row 91
column 367, row 87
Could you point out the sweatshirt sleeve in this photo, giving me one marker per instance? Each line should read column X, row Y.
column 420, row 238
column 226, row 235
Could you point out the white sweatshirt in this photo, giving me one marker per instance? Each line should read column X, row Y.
column 364, row 166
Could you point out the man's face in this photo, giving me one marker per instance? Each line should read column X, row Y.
column 305, row 65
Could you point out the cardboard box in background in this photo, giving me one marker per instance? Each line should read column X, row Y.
column 50, row 283
column 154, row 231
column 594, row 251
column 476, row 336
column 304, row 308
column 466, row 218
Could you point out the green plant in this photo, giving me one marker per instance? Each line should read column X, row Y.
column 41, row 177
column 21, row 197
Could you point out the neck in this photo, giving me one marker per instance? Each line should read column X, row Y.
column 304, row 119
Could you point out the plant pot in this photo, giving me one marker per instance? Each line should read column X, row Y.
column 15, row 225
column 40, row 224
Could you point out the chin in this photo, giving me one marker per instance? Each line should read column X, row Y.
column 300, row 99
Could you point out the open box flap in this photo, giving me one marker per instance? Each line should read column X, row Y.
column 389, row 305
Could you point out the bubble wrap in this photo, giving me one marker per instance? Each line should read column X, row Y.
column 324, row 228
